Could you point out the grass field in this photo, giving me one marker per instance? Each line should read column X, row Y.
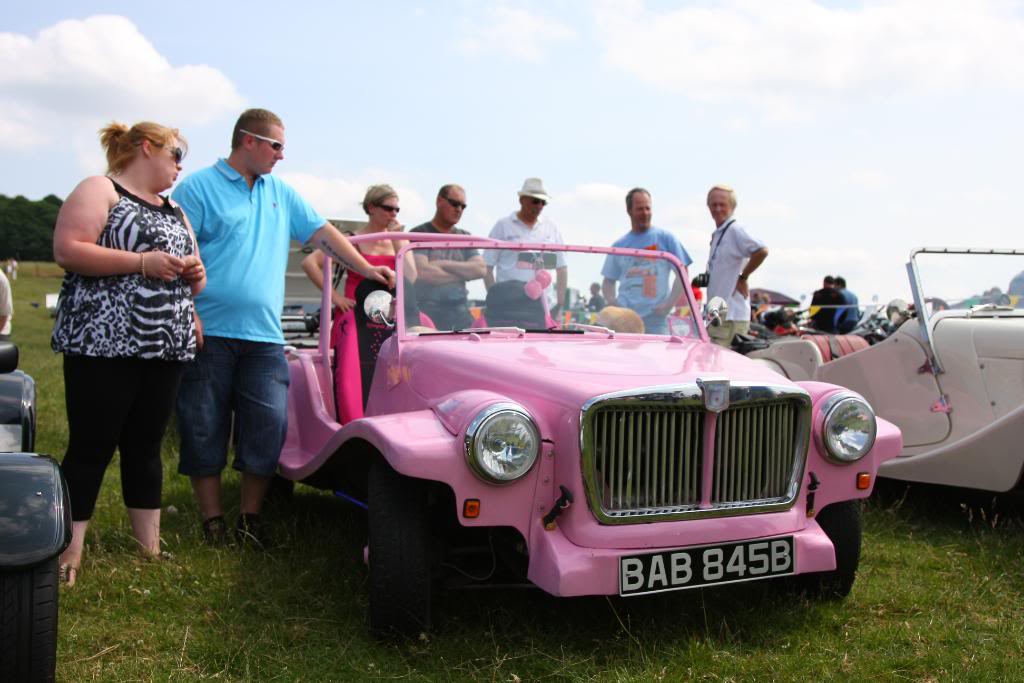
column 938, row 597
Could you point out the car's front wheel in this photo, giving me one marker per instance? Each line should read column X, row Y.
column 843, row 524
column 399, row 557
column 28, row 623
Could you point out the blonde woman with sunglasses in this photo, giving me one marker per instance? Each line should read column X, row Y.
column 381, row 205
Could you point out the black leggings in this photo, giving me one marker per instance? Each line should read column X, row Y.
column 113, row 403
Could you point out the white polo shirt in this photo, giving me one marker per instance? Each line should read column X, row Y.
column 511, row 229
column 731, row 247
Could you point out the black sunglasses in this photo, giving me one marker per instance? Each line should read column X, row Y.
column 177, row 153
column 535, row 201
column 390, row 208
column 275, row 145
column 455, row 204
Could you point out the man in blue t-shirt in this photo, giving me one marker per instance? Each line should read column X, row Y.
column 244, row 219
column 643, row 283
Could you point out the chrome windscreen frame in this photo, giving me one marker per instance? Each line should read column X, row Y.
column 690, row 396
column 917, row 292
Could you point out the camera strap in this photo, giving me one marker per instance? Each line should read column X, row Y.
column 721, row 236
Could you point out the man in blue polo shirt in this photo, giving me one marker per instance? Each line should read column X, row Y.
column 244, row 219
column 643, row 283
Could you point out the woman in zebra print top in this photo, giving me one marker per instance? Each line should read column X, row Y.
column 125, row 324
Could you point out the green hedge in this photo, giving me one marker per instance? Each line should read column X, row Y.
column 26, row 227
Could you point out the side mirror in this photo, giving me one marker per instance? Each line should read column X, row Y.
column 379, row 307
column 8, row 357
column 715, row 311
column 898, row 311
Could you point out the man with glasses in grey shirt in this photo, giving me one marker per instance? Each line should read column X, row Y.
column 442, row 273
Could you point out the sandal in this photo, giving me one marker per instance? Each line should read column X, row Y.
column 68, row 574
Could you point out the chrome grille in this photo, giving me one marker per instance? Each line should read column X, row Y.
column 644, row 458
column 648, row 457
column 754, row 453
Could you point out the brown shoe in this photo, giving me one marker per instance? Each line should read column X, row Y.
column 215, row 532
column 251, row 531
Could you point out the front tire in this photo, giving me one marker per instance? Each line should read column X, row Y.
column 399, row 544
column 843, row 524
column 28, row 623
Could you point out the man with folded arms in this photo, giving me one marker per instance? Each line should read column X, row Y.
column 441, row 274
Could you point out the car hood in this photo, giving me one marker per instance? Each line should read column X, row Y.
column 569, row 370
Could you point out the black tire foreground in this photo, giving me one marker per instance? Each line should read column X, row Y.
column 399, row 530
column 843, row 523
column 28, row 623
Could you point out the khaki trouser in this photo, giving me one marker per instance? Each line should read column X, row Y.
column 722, row 334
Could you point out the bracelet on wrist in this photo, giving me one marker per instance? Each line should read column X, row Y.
column 142, row 263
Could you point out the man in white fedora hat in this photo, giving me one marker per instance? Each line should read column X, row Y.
column 526, row 225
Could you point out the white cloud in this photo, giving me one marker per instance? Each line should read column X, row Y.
column 513, row 32
column 985, row 195
column 594, row 213
column 335, row 197
column 798, row 271
column 79, row 74
column 602, row 193
column 869, row 178
column 737, row 123
column 785, row 55
column 590, row 213
column 16, row 131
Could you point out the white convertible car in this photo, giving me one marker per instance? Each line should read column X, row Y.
column 950, row 374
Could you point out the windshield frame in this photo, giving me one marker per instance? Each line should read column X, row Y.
column 428, row 240
column 423, row 240
column 926, row 321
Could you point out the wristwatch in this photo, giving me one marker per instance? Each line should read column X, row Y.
column 743, row 277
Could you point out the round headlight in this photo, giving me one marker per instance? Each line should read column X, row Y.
column 849, row 428
column 502, row 443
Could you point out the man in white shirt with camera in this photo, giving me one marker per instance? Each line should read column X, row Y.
column 734, row 256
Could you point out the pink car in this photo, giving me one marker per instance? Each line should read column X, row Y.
column 538, row 444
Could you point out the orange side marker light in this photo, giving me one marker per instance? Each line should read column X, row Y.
column 863, row 481
column 471, row 508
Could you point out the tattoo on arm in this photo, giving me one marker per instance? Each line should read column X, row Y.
column 326, row 247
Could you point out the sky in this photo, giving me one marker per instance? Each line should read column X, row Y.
column 852, row 132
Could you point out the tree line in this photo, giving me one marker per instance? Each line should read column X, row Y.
column 26, row 227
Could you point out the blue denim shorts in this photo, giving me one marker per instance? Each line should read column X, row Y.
column 233, row 375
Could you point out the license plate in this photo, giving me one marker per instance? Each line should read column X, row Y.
column 707, row 565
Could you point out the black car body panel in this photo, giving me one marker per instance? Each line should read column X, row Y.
column 35, row 514
column 17, row 412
